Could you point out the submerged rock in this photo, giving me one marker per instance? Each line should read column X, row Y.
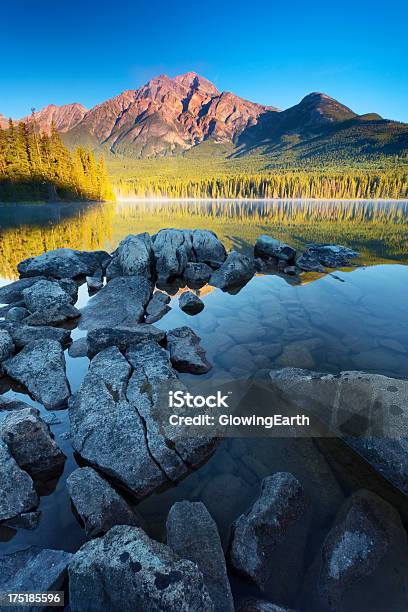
column 122, row 337
column 269, row 541
column 40, row 366
column 193, row 534
column 99, row 506
column 172, row 250
column 361, row 409
column 133, row 257
column 157, row 307
column 34, row 569
column 190, row 303
column 267, row 247
column 235, row 272
column 186, row 354
column 364, row 558
column 31, row 443
column 107, row 431
column 64, row 263
column 17, row 489
column 126, row 561
column 121, row 302
column 197, row 274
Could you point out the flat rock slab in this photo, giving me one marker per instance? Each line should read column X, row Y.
column 364, row 558
column 17, row 489
column 193, row 534
column 186, row 354
column 121, row 302
column 64, row 263
column 40, row 366
column 368, row 411
column 99, row 506
column 234, row 273
column 122, row 337
column 269, row 541
column 34, row 569
column 31, row 443
column 126, row 562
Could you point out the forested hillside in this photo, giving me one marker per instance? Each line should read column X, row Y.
column 38, row 166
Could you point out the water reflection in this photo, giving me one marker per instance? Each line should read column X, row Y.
column 379, row 230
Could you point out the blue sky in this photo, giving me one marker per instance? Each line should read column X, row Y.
column 270, row 52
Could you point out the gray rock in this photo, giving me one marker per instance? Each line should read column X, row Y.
column 26, row 520
column 235, row 272
column 122, row 337
column 44, row 295
column 17, row 489
column 135, row 256
column 54, row 315
column 79, row 348
column 40, row 366
column 290, row 270
column 18, row 313
column 190, row 303
column 11, row 403
column 114, row 269
column 309, row 263
column 13, row 292
column 121, row 302
column 361, row 409
column 269, row 541
column 64, row 263
column 267, row 247
column 126, row 561
column 7, row 348
column 331, row 255
column 260, row 605
column 186, row 354
column 31, row 443
column 364, row 558
column 94, row 283
column 197, row 274
column 157, row 307
column 208, row 249
column 34, row 569
column 172, row 250
column 97, row 503
column 24, row 334
column 107, row 431
column 193, row 535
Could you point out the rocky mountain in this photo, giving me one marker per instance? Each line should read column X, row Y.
column 3, row 121
column 172, row 115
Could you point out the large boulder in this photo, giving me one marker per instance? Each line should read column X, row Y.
column 17, row 489
column 268, row 543
column 207, row 248
column 126, row 564
column 193, row 534
column 122, row 337
column 34, row 569
column 7, row 348
column 133, row 257
column 45, row 294
column 197, row 275
column 172, row 250
column 157, row 307
column 121, row 302
column 186, row 354
column 64, row 263
column 235, row 272
column 361, row 409
column 13, row 292
column 107, row 431
column 40, row 366
column 99, row 506
column 31, row 443
column 24, row 334
column 267, row 247
column 190, row 303
column 363, row 561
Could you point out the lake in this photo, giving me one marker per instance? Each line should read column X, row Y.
column 351, row 319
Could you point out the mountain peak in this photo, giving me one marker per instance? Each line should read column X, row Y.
column 319, row 104
column 195, row 81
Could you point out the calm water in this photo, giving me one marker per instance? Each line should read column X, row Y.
column 355, row 318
